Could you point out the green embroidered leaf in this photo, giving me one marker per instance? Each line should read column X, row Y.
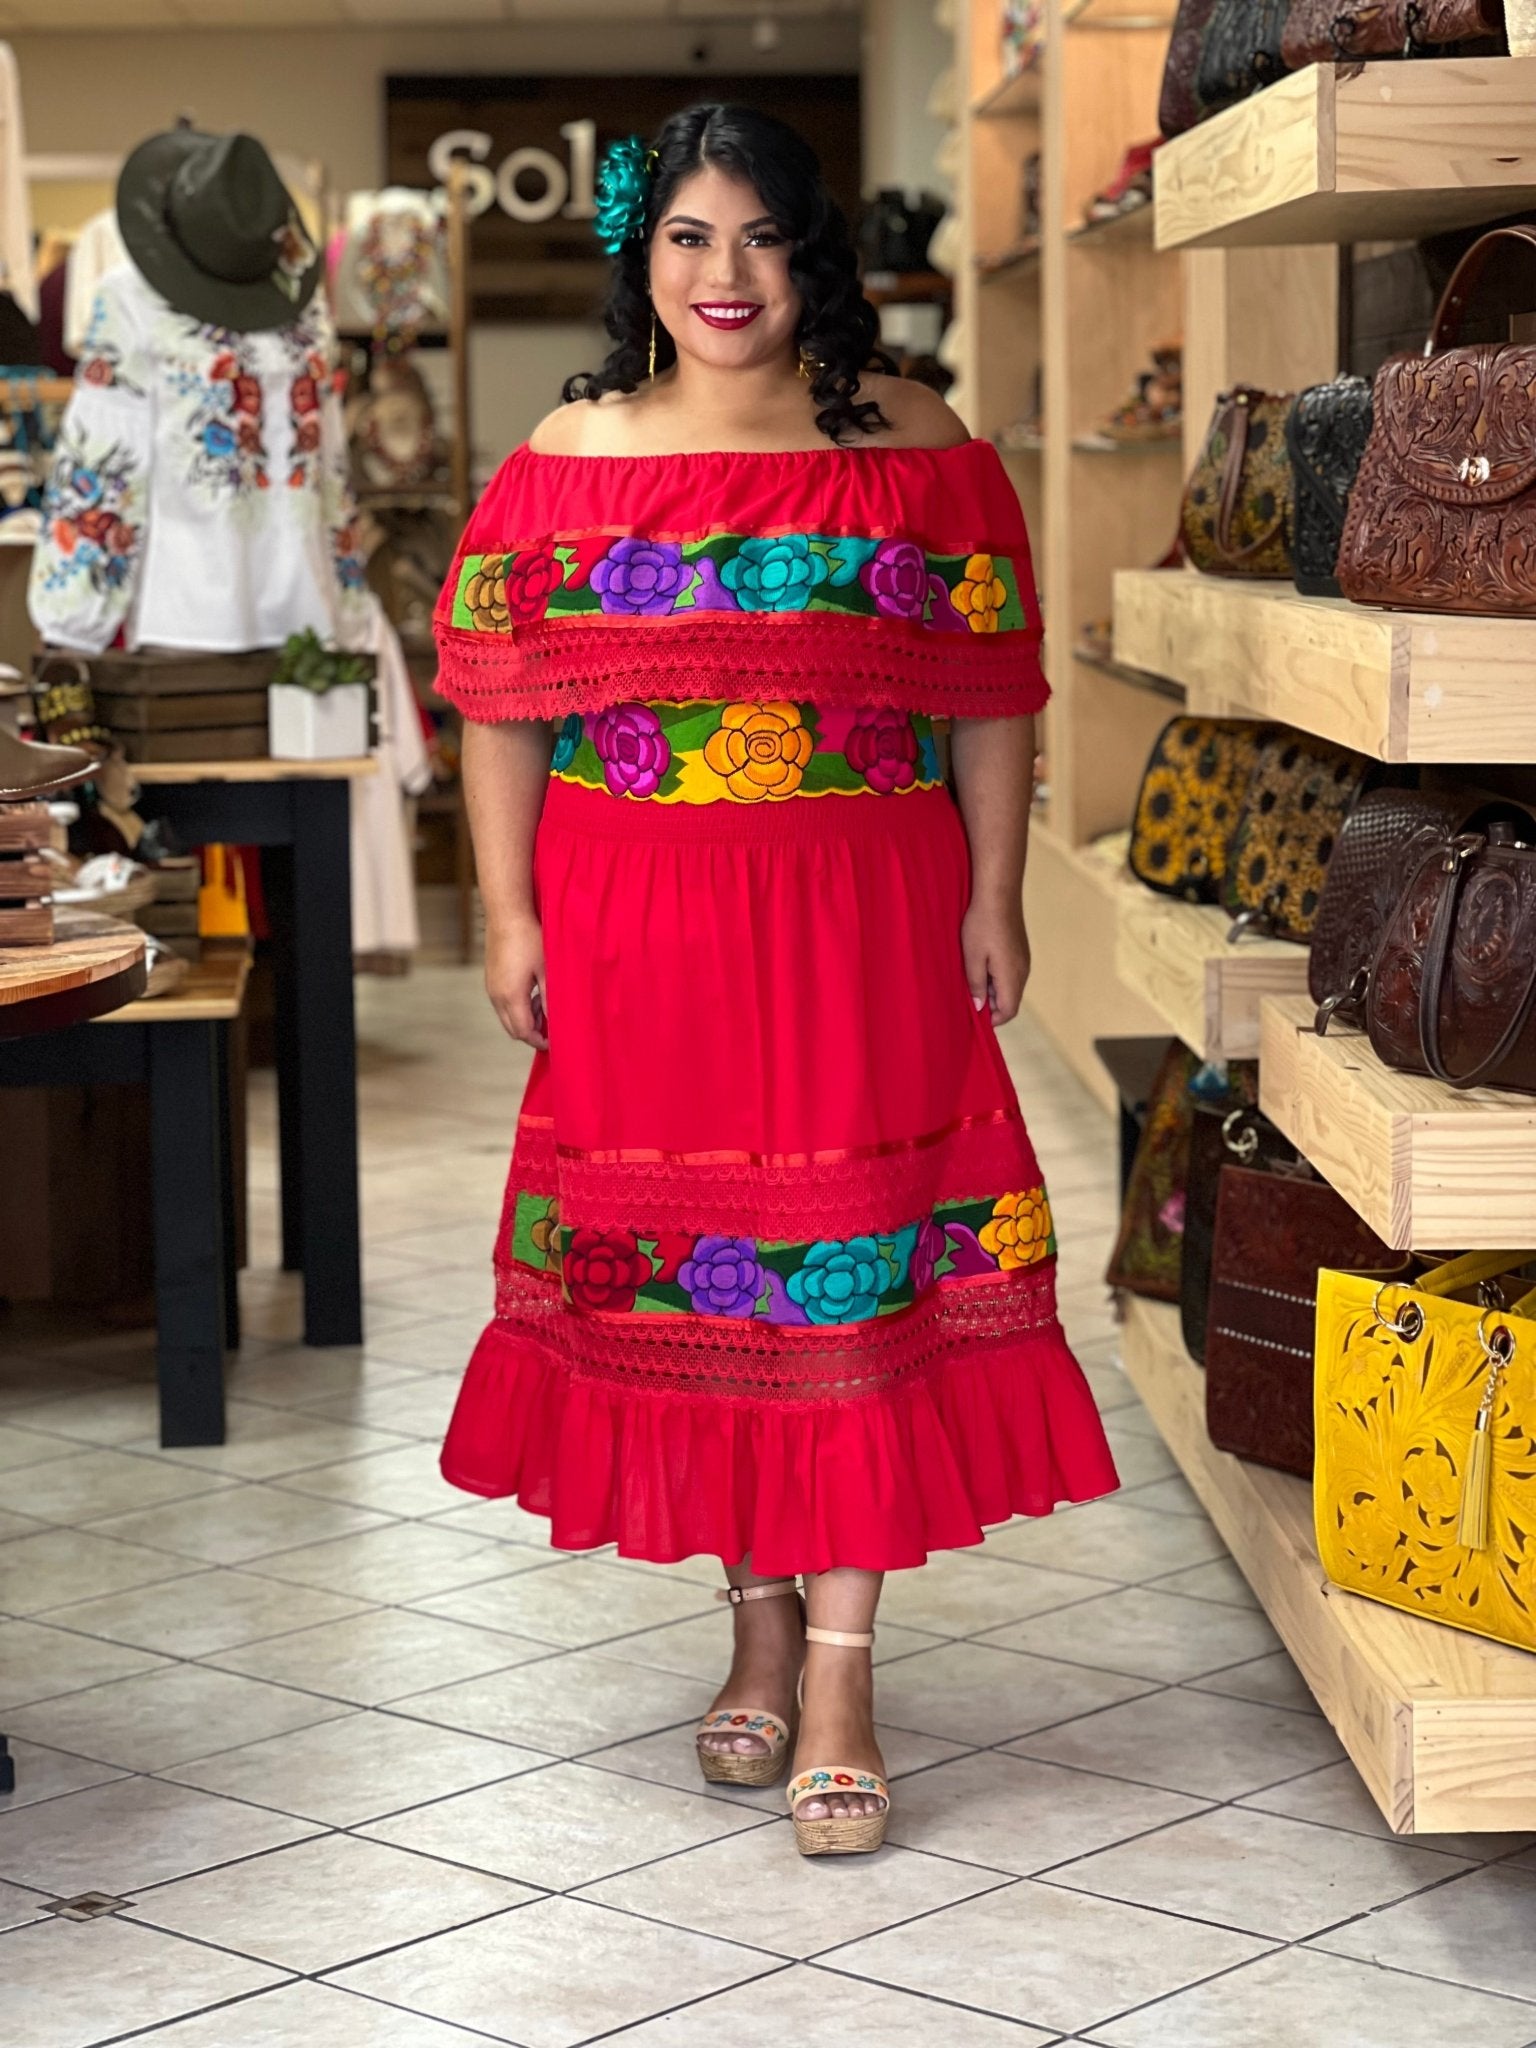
column 530, row 1209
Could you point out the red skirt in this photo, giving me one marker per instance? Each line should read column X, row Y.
column 775, row 1273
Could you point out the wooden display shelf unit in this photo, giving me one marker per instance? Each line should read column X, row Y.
column 1017, row 94
column 1424, row 1164
column 1397, row 686
column 1355, row 153
column 1440, row 1725
column 1177, row 956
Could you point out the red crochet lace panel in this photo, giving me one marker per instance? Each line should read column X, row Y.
column 726, row 1357
column 825, row 1196
column 545, row 671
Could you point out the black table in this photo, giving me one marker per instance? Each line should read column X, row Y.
column 298, row 813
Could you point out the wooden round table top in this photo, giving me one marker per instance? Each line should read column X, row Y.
column 94, row 965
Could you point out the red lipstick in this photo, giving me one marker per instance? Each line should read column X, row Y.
column 727, row 314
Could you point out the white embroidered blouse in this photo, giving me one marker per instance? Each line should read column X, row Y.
column 198, row 495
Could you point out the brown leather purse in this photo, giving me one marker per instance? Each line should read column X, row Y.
column 1385, row 837
column 1273, row 1235
column 1452, row 989
column 1342, row 31
column 1236, row 516
column 1220, row 1137
column 1443, row 513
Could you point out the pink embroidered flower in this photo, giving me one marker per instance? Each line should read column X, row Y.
column 248, row 394
column 926, row 1253
column 882, row 747
column 896, row 577
column 306, row 395
column 634, row 751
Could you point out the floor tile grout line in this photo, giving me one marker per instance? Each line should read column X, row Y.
column 684, row 2005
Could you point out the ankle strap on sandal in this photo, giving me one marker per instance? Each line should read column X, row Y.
column 839, row 1638
column 735, row 1595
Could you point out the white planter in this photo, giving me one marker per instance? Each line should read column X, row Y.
column 304, row 727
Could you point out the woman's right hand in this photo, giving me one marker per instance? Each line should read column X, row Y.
column 514, row 980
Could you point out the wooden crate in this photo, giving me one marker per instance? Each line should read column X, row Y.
column 1344, row 153
column 1425, row 1165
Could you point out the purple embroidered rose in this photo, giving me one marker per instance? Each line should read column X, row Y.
column 930, row 1247
column 639, row 575
column 723, row 1276
column 896, row 577
column 629, row 742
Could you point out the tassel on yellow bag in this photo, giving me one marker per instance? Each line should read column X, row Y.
column 1476, row 1485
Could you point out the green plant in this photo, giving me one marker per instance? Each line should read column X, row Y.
column 307, row 663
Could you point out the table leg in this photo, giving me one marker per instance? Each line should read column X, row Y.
column 228, row 1229
column 189, row 1231
column 327, row 1063
column 277, row 864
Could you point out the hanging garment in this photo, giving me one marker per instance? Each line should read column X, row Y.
column 198, row 496
column 383, row 867
column 776, row 1265
column 16, row 272
column 99, row 247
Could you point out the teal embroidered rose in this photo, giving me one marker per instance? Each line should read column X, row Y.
column 567, row 743
column 774, row 575
column 842, row 1280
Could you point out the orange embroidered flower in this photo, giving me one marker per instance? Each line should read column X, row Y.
column 486, row 595
column 760, row 749
column 980, row 594
column 544, row 1233
column 1019, row 1233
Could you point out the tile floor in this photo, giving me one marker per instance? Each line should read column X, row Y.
column 365, row 1766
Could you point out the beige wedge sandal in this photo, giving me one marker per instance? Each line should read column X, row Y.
column 854, row 1836
column 727, row 1767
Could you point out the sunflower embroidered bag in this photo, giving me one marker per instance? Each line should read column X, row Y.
column 1293, row 811
column 1191, row 793
column 1425, row 1484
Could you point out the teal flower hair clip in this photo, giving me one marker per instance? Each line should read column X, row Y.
column 623, row 189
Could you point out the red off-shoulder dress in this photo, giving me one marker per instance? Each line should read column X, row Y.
column 776, row 1268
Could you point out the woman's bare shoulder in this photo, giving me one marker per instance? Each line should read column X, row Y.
column 918, row 415
column 583, row 426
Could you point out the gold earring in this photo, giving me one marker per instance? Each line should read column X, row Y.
column 650, row 368
column 807, row 361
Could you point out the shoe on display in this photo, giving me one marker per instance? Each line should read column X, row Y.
column 1153, row 410
column 1130, row 187
column 28, row 771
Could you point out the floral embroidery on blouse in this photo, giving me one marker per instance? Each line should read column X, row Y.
column 636, row 577
column 828, row 1281
column 746, row 752
column 91, row 515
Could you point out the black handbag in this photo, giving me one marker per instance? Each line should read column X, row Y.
column 1240, row 51
column 1326, row 432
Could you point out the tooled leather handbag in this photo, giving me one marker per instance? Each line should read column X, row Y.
column 1452, row 989
column 1443, row 513
column 1342, row 31
column 1274, row 1235
column 1220, row 1137
column 1385, row 837
column 1294, row 808
column 1178, row 105
column 1325, row 435
column 1240, row 52
column 1237, row 509
column 1191, row 793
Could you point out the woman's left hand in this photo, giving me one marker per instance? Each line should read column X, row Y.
column 995, row 946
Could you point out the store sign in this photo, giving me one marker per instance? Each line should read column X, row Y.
column 530, row 148
column 565, row 185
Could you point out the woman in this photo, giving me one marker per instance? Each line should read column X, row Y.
column 775, row 1272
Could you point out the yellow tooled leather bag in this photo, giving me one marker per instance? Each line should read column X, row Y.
column 1425, row 1483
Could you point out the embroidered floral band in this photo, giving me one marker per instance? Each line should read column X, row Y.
column 830, row 1280
column 743, row 753
column 629, row 576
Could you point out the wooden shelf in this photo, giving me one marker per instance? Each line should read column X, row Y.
column 1424, row 1164
column 1176, row 956
column 261, row 769
column 1010, row 96
column 212, row 993
column 1440, row 1725
column 1345, row 153
column 1132, row 226
column 1134, row 678
column 1398, row 686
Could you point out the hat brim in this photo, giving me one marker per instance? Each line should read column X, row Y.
column 142, row 188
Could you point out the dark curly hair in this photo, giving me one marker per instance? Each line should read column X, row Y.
column 838, row 330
